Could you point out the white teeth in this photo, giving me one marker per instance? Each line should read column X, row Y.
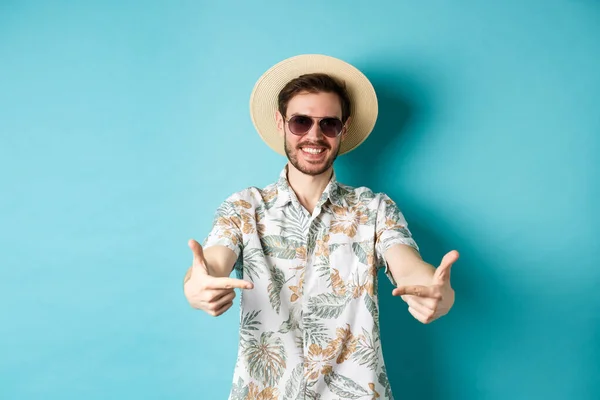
column 312, row 151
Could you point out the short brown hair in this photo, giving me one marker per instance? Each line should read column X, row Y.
column 314, row 83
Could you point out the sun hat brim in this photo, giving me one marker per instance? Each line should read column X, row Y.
column 363, row 99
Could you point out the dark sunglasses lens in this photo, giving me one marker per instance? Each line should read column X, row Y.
column 300, row 124
column 331, row 127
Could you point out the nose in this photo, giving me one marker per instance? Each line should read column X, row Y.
column 315, row 131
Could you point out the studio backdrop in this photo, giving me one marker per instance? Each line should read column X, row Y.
column 123, row 126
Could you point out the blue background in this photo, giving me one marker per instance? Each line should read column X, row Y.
column 124, row 124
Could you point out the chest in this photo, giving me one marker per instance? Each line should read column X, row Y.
column 331, row 250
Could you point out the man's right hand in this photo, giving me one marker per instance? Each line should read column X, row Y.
column 204, row 292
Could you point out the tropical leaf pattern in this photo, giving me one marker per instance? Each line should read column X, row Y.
column 315, row 330
column 249, row 325
column 295, row 384
column 344, row 343
column 239, row 391
column 385, row 383
column 294, row 320
column 254, row 262
column 279, row 247
column 345, row 387
column 327, row 305
column 266, row 358
column 360, row 252
column 268, row 393
column 277, row 280
column 293, row 224
column 367, row 351
column 310, row 326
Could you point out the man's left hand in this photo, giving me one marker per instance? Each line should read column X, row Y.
column 428, row 303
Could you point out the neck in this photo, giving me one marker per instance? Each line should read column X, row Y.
column 308, row 188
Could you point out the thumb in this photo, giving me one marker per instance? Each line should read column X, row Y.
column 198, row 263
column 442, row 273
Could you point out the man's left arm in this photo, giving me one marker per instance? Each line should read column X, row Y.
column 426, row 289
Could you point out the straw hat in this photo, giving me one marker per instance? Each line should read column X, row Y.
column 263, row 101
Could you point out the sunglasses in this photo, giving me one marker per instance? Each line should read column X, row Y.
column 301, row 124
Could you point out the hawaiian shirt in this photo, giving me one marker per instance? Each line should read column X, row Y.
column 309, row 329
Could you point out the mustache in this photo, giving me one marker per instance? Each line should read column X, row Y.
column 319, row 143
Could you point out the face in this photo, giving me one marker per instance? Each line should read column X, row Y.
column 312, row 153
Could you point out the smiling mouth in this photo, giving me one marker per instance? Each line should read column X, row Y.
column 313, row 150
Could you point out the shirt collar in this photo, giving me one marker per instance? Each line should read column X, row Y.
column 285, row 194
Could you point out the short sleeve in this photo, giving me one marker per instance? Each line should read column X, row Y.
column 226, row 229
column 391, row 229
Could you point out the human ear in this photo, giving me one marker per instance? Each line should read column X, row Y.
column 345, row 128
column 280, row 122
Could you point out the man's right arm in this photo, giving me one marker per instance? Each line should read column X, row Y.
column 207, row 285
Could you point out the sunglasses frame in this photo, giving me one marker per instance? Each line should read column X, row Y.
column 318, row 120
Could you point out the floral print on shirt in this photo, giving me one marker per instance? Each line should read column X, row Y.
column 310, row 327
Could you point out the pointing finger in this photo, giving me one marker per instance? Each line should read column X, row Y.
column 419, row 291
column 422, row 303
column 228, row 283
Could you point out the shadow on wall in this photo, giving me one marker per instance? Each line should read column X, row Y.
column 416, row 356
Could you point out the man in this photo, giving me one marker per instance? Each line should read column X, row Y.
column 308, row 248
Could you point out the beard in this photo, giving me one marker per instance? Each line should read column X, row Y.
column 309, row 168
